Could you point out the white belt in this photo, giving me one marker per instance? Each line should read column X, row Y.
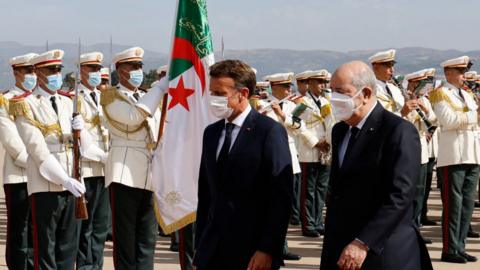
column 56, row 148
column 127, row 143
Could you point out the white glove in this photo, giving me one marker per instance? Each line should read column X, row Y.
column 150, row 101
column 75, row 187
column 77, row 122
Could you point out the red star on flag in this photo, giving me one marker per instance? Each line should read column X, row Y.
column 180, row 95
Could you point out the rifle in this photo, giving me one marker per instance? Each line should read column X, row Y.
column 81, row 211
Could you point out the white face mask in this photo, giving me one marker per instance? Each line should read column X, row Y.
column 343, row 105
column 219, row 107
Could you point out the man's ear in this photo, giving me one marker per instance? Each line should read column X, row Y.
column 244, row 92
column 367, row 92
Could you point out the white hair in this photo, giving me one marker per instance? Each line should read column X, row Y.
column 364, row 77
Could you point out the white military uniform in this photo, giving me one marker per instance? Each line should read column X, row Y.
column 44, row 134
column 15, row 160
column 133, row 137
column 318, row 125
column 95, row 124
column 394, row 102
column 458, row 134
column 292, row 128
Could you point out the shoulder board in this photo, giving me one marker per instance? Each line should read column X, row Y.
column 109, row 95
column 3, row 100
column 66, row 94
column 326, row 110
column 18, row 107
column 437, row 96
column 24, row 95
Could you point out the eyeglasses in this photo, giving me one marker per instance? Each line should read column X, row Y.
column 26, row 69
column 135, row 65
column 54, row 69
column 94, row 67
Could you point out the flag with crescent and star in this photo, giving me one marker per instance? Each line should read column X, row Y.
column 176, row 162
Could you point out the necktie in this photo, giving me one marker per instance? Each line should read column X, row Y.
column 54, row 104
column 94, row 97
column 223, row 156
column 136, row 96
column 388, row 90
column 351, row 141
column 461, row 94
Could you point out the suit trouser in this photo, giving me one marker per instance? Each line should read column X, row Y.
column 19, row 249
column 186, row 236
column 55, row 230
column 419, row 194
column 296, row 197
column 314, row 189
column 93, row 231
column 458, row 196
column 133, row 227
column 428, row 187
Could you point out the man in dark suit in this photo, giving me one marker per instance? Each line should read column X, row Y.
column 375, row 163
column 246, row 179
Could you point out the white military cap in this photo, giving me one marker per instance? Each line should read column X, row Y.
column 460, row 62
column 22, row 60
column 279, row 78
column 161, row 69
column 50, row 58
column 134, row 54
column 418, row 75
column 263, row 84
column 105, row 73
column 383, row 57
column 302, row 75
column 93, row 58
column 318, row 74
column 431, row 72
column 471, row 76
column 477, row 78
column 329, row 76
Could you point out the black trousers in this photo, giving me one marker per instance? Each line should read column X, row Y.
column 93, row 231
column 186, row 237
column 55, row 230
column 133, row 227
column 19, row 247
column 428, row 187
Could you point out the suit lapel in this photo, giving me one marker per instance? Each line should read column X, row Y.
column 244, row 134
column 364, row 137
column 337, row 140
column 213, row 143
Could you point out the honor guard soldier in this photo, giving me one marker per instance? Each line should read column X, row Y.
column 133, row 135
column 18, row 249
column 93, row 230
column 314, row 154
column 388, row 94
column 44, row 122
column 105, row 73
column 422, row 117
column 458, row 158
column 302, row 82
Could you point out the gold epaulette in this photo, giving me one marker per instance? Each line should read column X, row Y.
column 326, row 110
column 438, row 95
column 109, row 95
column 18, row 107
column 3, row 100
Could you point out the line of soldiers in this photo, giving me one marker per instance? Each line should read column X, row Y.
column 444, row 113
column 118, row 132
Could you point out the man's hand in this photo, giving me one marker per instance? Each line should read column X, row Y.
column 423, row 107
column 353, row 256
column 260, row 261
column 409, row 106
column 278, row 110
column 323, row 146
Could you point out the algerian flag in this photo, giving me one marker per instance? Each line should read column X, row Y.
column 176, row 163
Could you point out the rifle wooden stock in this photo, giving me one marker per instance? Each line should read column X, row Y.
column 81, row 211
column 162, row 118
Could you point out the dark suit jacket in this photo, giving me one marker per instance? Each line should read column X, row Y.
column 372, row 195
column 248, row 208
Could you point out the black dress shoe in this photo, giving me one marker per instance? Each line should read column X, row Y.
column 468, row 257
column 310, row 234
column 453, row 258
column 321, row 231
column 472, row 234
column 427, row 241
column 428, row 222
column 477, row 204
column 291, row 257
column 173, row 247
column 109, row 237
column 295, row 222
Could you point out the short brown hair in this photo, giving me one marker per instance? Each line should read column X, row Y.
column 241, row 73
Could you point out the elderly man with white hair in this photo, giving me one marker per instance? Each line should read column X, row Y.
column 375, row 167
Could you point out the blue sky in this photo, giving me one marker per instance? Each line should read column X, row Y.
column 338, row 25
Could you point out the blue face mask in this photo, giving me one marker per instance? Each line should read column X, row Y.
column 54, row 82
column 136, row 77
column 29, row 81
column 94, row 79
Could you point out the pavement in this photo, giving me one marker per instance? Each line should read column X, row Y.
column 308, row 248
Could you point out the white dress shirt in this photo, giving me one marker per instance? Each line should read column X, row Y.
column 343, row 146
column 238, row 122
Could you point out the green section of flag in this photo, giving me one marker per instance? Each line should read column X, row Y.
column 192, row 25
column 179, row 66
